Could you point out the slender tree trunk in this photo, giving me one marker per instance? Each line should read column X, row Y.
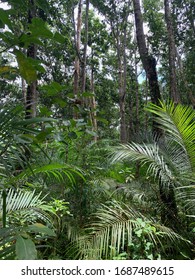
column 93, row 113
column 172, row 54
column 148, row 61
column 24, row 91
column 78, row 43
column 31, row 94
column 136, row 97
column 83, row 82
column 130, row 124
column 121, row 58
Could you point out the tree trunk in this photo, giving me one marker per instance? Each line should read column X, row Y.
column 136, row 97
column 83, row 82
column 77, row 58
column 172, row 54
column 31, row 94
column 93, row 113
column 148, row 61
column 122, row 72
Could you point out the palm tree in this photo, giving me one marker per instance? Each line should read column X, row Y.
column 170, row 159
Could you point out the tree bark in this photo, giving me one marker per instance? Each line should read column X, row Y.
column 172, row 54
column 83, row 82
column 31, row 94
column 78, row 44
column 122, row 73
column 148, row 61
column 93, row 113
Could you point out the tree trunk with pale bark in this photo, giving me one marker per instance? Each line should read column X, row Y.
column 78, row 45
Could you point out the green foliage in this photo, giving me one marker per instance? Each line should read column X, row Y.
column 23, row 209
column 119, row 228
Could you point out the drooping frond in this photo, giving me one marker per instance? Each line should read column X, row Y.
column 20, row 200
column 145, row 154
column 112, row 232
column 55, row 170
column 178, row 123
column 25, row 203
column 186, row 197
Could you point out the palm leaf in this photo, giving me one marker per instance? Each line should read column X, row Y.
column 55, row 170
column 145, row 154
column 178, row 123
column 113, row 231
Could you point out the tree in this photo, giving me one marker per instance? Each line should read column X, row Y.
column 172, row 165
column 31, row 95
column 148, row 61
column 172, row 53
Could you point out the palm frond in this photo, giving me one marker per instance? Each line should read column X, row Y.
column 53, row 170
column 178, row 123
column 27, row 204
column 145, row 154
column 112, row 232
column 19, row 200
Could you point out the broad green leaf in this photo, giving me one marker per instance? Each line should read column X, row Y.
column 59, row 38
column 87, row 94
column 27, row 39
column 28, row 66
column 39, row 28
column 40, row 228
column 53, row 88
column 101, row 120
column 27, row 70
column 25, row 249
column 5, row 18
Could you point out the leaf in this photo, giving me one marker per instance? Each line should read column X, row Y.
column 53, row 88
column 26, row 68
column 25, row 249
column 7, row 69
column 9, row 38
column 59, row 38
column 27, row 39
column 101, row 120
column 5, row 18
column 39, row 28
column 40, row 228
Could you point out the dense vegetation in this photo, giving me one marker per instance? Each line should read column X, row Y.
column 97, row 129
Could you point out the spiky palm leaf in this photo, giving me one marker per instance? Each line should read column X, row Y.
column 172, row 159
column 145, row 154
column 24, row 211
column 112, row 232
column 27, row 204
column 178, row 122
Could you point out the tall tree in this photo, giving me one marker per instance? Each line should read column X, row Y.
column 31, row 94
column 78, row 46
column 148, row 60
column 84, row 62
column 172, row 53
